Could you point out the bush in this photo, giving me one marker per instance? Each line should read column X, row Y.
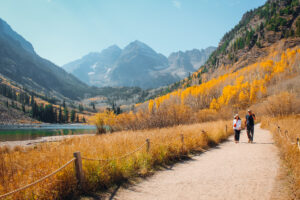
column 282, row 104
column 104, row 121
column 19, row 167
column 289, row 153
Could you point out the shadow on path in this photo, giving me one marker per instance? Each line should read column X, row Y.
column 113, row 194
column 257, row 143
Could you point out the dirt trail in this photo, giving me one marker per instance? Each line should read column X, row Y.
column 230, row 171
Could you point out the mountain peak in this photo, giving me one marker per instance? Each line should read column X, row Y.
column 136, row 65
column 138, row 44
column 137, row 47
column 113, row 48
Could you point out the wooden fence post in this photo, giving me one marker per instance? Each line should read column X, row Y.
column 78, row 169
column 148, row 145
column 279, row 131
column 286, row 134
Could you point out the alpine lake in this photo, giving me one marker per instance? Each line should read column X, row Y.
column 36, row 131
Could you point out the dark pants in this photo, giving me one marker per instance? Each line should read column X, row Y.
column 250, row 132
column 237, row 135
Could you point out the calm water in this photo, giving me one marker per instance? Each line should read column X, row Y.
column 31, row 132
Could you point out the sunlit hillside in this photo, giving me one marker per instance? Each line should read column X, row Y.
column 218, row 97
column 146, row 112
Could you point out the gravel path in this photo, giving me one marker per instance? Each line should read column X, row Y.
column 231, row 171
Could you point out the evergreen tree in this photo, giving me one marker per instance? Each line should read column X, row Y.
column 55, row 116
column 40, row 112
column 64, row 104
column 43, row 113
column 73, row 115
column 113, row 107
column 60, row 116
column 93, row 105
column 66, row 115
column 83, row 119
column 118, row 110
column 80, row 107
column 32, row 100
column 49, row 115
column 23, row 108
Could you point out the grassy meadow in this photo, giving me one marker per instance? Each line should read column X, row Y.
column 203, row 109
column 289, row 152
column 21, row 166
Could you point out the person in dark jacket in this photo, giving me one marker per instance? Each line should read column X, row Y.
column 249, row 124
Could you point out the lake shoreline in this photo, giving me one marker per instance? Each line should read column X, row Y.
column 31, row 134
column 44, row 126
column 34, row 142
column 39, row 125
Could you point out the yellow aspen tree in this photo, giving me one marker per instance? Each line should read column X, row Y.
column 243, row 97
column 157, row 103
column 150, row 105
column 214, row 104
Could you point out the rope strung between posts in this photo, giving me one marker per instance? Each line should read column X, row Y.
column 117, row 158
column 91, row 159
column 287, row 138
column 298, row 143
column 37, row 181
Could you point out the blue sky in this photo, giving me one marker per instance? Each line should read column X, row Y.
column 65, row 30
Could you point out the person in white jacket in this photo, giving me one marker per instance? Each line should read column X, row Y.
column 237, row 126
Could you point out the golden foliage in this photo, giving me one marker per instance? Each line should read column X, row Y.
column 103, row 120
column 290, row 154
column 237, row 90
column 21, row 166
column 282, row 104
column 150, row 106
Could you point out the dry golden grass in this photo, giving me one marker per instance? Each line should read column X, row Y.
column 290, row 154
column 21, row 166
column 282, row 104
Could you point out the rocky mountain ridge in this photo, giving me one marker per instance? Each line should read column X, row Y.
column 276, row 24
column 136, row 65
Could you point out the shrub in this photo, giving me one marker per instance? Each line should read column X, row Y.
column 23, row 166
column 282, row 104
column 289, row 152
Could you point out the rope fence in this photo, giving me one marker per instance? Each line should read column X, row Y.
column 78, row 165
column 285, row 136
column 37, row 181
column 117, row 158
column 78, row 160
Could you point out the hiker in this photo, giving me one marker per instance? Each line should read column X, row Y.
column 249, row 123
column 237, row 126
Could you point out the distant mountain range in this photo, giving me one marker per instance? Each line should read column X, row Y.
column 136, row 65
column 20, row 63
